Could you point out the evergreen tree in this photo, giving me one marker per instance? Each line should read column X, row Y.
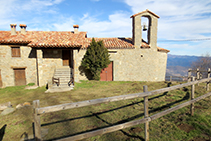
column 95, row 59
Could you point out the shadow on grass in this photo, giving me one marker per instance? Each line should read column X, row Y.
column 2, row 132
column 121, row 121
column 98, row 113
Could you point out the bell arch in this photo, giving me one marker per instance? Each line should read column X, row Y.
column 151, row 33
column 146, row 25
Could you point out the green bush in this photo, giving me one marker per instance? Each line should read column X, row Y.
column 95, row 59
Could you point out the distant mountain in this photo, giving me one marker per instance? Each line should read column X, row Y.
column 178, row 65
column 181, row 60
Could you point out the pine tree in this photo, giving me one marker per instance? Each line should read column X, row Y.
column 95, row 59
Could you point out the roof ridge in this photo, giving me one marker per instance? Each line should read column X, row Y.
column 147, row 10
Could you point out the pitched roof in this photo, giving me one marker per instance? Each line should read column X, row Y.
column 146, row 11
column 65, row 39
column 44, row 38
column 113, row 43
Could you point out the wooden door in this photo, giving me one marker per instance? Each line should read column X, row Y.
column 107, row 73
column 66, row 57
column 20, row 78
column 0, row 79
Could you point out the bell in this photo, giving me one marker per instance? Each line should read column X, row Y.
column 144, row 28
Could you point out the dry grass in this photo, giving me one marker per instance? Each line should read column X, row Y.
column 175, row 126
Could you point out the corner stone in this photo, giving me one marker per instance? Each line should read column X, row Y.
column 8, row 111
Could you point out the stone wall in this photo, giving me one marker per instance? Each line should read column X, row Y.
column 7, row 63
column 152, row 30
column 128, row 64
column 47, row 60
column 131, row 65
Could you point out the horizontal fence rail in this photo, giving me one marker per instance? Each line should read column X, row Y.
column 114, row 98
column 198, row 73
column 39, row 111
column 132, row 123
column 176, row 78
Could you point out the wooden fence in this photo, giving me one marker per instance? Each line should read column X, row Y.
column 38, row 111
column 198, row 74
column 176, row 78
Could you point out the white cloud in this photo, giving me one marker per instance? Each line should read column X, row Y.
column 64, row 24
column 180, row 20
column 30, row 12
column 84, row 16
column 119, row 24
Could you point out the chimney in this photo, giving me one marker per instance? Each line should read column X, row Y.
column 13, row 29
column 76, row 29
column 23, row 28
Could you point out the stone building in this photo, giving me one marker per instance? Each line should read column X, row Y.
column 37, row 56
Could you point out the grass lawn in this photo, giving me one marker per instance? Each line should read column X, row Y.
column 176, row 126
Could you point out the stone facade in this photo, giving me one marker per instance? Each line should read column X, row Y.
column 131, row 65
column 152, row 29
column 139, row 64
column 47, row 61
column 133, row 60
column 8, row 63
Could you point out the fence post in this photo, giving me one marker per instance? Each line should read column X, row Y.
column 189, row 75
column 208, row 76
column 37, row 125
column 197, row 75
column 146, row 114
column 170, row 78
column 192, row 97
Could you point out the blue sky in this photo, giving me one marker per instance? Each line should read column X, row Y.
column 179, row 19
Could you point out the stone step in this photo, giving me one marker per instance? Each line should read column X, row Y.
column 65, row 72
column 62, row 86
column 62, row 74
column 62, row 78
column 58, row 89
column 57, row 75
column 63, row 68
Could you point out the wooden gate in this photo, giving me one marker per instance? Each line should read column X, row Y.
column 107, row 73
column 20, row 77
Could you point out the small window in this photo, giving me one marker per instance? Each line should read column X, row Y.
column 16, row 52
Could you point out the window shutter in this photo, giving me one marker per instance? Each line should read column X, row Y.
column 16, row 52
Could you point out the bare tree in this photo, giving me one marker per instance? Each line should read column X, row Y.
column 203, row 63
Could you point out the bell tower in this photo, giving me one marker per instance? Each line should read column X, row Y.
column 151, row 29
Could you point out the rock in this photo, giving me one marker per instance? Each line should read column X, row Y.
column 19, row 106
column 26, row 104
column 31, row 87
column 8, row 111
column 5, row 106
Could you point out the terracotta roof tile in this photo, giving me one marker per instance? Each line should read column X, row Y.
column 65, row 39
column 162, row 49
column 44, row 38
column 146, row 11
column 113, row 43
